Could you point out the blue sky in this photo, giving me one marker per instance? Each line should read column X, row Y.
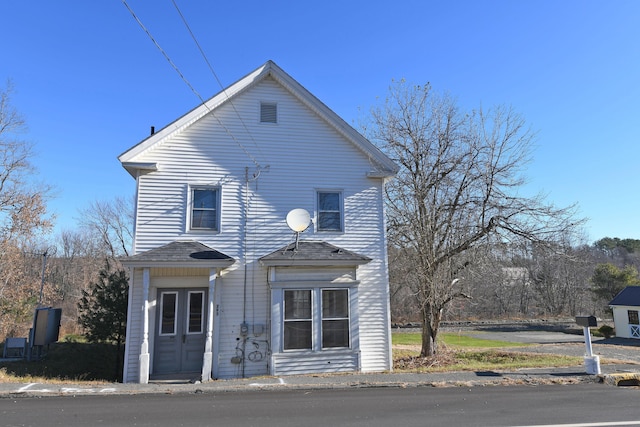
column 90, row 83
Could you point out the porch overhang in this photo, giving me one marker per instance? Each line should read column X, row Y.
column 190, row 254
column 306, row 253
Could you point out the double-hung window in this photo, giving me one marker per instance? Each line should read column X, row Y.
column 330, row 211
column 205, row 208
column 316, row 319
column 297, row 319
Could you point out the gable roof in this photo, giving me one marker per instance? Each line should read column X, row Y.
column 188, row 253
column 313, row 253
column 384, row 166
column 628, row 296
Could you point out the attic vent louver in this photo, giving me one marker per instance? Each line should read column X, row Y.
column 268, row 112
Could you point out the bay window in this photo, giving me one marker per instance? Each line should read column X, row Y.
column 316, row 319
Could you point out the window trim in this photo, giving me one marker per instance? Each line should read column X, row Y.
column 190, row 208
column 340, row 210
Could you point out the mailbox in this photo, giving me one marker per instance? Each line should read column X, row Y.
column 586, row 321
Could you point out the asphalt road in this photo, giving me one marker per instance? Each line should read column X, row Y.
column 585, row 404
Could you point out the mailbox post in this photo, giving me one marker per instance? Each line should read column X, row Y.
column 591, row 362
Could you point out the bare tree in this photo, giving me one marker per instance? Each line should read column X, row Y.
column 112, row 223
column 458, row 189
column 23, row 217
column 104, row 234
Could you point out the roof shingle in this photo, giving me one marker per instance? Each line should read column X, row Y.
column 180, row 253
column 628, row 296
column 316, row 253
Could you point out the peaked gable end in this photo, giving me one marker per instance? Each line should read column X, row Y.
column 133, row 159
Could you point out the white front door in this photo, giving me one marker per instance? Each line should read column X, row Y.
column 180, row 332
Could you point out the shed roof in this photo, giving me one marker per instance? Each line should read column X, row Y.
column 628, row 296
column 313, row 253
column 188, row 253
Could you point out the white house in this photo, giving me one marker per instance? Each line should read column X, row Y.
column 625, row 308
column 220, row 285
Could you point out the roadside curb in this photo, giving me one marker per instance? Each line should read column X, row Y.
column 622, row 379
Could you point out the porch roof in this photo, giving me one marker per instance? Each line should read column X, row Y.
column 313, row 253
column 187, row 253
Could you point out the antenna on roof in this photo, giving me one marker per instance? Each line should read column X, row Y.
column 298, row 220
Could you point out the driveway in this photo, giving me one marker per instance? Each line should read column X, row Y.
column 612, row 349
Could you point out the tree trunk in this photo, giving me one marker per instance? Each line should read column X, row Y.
column 430, row 325
column 431, row 317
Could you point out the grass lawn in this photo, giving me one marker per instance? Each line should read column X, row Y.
column 73, row 360
column 451, row 340
column 462, row 353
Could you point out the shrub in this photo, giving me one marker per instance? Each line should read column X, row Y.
column 606, row 331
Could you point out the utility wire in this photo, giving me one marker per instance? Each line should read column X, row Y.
column 215, row 75
column 184, row 79
column 175, row 67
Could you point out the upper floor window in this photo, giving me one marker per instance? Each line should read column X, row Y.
column 329, row 211
column 268, row 112
column 205, row 208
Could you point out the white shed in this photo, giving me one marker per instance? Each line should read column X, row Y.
column 625, row 308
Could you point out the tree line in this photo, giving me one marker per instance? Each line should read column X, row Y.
column 529, row 282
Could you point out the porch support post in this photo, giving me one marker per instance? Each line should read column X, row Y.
column 144, row 348
column 207, row 362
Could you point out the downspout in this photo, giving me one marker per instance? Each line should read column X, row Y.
column 244, row 328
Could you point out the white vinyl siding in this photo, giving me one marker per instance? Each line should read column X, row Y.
column 252, row 223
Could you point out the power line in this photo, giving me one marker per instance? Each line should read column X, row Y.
column 215, row 75
column 184, row 79
column 175, row 67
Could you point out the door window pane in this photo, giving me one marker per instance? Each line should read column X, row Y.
column 633, row 317
column 196, row 304
column 168, row 313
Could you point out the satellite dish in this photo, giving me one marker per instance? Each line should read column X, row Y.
column 298, row 220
